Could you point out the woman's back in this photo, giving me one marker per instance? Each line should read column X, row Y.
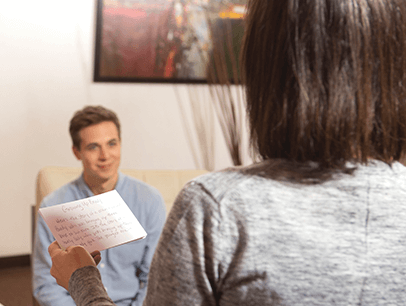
column 267, row 242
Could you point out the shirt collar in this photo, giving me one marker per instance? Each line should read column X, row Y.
column 85, row 190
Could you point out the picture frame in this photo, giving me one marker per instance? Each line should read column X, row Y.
column 167, row 41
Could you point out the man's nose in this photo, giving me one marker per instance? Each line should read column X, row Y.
column 104, row 153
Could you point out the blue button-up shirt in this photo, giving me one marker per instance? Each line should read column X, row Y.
column 124, row 269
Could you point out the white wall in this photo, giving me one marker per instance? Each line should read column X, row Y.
column 46, row 60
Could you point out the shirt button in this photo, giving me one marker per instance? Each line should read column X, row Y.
column 102, row 265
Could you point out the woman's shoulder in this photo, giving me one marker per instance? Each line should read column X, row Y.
column 381, row 173
column 221, row 183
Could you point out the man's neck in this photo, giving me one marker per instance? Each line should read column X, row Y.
column 98, row 187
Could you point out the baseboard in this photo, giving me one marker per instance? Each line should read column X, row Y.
column 15, row 261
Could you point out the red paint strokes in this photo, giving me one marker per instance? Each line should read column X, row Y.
column 125, row 12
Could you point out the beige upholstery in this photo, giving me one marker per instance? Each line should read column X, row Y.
column 168, row 182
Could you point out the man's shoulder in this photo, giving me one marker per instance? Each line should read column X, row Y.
column 134, row 186
column 132, row 182
column 66, row 193
column 127, row 179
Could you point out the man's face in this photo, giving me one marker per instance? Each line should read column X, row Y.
column 100, row 152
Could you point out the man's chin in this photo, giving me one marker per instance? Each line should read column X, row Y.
column 103, row 176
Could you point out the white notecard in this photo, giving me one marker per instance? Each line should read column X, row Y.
column 96, row 223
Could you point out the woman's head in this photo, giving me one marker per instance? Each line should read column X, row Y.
column 325, row 79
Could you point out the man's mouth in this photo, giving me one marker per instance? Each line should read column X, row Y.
column 104, row 167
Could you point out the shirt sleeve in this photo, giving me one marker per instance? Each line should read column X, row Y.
column 45, row 289
column 186, row 266
column 155, row 224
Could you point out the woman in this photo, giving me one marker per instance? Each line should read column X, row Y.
column 320, row 220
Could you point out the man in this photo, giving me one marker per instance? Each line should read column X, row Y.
column 95, row 133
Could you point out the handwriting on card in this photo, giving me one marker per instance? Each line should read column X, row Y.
column 96, row 223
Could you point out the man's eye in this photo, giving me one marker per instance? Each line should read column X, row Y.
column 92, row 148
column 112, row 144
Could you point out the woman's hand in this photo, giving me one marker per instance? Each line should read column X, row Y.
column 64, row 263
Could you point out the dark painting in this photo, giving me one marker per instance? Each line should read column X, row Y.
column 166, row 40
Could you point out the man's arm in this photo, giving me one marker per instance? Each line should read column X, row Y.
column 156, row 221
column 45, row 289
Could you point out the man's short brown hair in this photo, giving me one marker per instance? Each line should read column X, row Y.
column 88, row 116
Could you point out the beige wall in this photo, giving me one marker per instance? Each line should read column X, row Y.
column 46, row 60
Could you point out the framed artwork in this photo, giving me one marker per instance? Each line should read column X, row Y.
column 167, row 41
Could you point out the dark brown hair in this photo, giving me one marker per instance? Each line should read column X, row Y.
column 88, row 116
column 325, row 80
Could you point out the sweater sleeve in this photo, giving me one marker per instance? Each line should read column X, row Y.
column 184, row 270
column 202, row 255
column 86, row 288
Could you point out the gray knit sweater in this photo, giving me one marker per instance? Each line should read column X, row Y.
column 234, row 238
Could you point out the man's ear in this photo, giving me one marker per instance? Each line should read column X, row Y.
column 76, row 152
